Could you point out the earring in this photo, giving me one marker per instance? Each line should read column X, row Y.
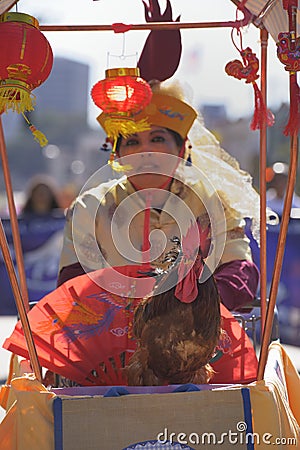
column 106, row 146
column 113, row 159
column 189, row 147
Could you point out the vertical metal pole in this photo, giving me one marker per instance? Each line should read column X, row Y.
column 20, row 304
column 279, row 256
column 291, row 6
column 263, row 166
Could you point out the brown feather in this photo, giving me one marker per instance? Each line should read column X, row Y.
column 175, row 340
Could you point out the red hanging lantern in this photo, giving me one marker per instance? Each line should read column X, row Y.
column 121, row 95
column 26, row 61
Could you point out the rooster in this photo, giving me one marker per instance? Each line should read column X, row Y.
column 178, row 327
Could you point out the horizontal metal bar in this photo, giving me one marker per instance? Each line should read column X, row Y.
column 150, row 26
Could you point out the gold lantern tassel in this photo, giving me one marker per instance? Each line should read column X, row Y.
column 15, row 98
column 116, row 126
column 37, row 134
column 115, row 165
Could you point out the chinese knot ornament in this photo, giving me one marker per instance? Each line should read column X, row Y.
column 247, row 70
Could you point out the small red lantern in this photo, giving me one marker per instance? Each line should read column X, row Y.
column 121, row 95
column 26, row 61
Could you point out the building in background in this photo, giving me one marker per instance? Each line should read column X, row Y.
column 234, row 136
column 214, row 115
column 66, row 90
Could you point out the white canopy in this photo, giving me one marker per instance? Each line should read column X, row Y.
column 272, row 15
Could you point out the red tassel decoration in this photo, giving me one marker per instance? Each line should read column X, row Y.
column 293, row 126
column 261, row 113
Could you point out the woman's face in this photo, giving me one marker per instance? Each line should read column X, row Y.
column 147, row 154
column 42, row 199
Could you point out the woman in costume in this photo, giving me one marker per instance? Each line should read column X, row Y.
column 130, row 227
column 175, row 172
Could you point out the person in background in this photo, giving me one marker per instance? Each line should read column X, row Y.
column 42, row 198
column 277, row 177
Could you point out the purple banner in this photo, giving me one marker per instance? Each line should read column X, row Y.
column 41, row 239
column 288, row 299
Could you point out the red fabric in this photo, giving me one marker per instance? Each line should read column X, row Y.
column 81, row 331
column 236, row 358
column 237, row 281
column 81, row 326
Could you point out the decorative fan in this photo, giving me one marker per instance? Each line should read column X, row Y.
column 82, row 330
